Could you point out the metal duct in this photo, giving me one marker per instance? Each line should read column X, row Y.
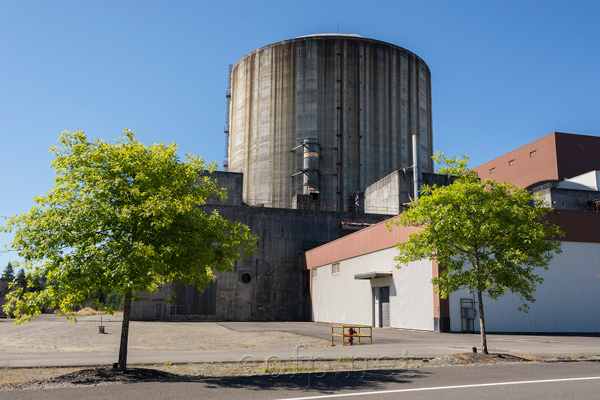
column 311, row 165
column 417, row 174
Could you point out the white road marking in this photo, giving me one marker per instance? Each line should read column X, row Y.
column 332, row 396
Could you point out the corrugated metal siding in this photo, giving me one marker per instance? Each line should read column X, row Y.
column 567, row 301
column 572, row 160
column 341, row 298
column 578, row 226
column 527, row 171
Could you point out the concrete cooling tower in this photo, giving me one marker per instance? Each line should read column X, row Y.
column 321, row 117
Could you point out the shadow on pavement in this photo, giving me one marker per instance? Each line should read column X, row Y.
column 322, row 381
column 326, row 382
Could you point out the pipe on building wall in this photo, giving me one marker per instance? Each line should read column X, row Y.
column 311, row 165
column 417, row 174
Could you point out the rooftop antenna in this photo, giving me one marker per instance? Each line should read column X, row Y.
column 338, row 27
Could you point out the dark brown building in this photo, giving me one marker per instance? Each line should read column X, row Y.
column 552, row 158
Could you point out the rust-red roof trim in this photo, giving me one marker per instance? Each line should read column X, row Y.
column 579, row 226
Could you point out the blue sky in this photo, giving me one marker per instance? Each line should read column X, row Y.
column 504, row 73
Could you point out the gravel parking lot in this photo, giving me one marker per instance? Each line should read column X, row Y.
column 51, row 333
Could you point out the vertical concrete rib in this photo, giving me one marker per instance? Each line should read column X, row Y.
column 360, row 97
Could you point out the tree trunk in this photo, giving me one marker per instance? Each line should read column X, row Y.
column 484, row 348
column 122, row 364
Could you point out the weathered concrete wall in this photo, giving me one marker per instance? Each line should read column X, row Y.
column 361, row 98
column 275, row 290
column 388, row 195
column 175, row 302
column 268, row 286
column 568, row 199
column 231, row 181
column 151, row 306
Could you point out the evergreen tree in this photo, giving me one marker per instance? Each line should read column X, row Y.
column 9, row 272
column 22, row 278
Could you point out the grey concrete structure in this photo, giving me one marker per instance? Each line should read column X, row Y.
column 568, row 199
column 175, row 302
column 390, row 194
column 313, row 121
column 233, row 182
column 362, row 99
column 268, row 286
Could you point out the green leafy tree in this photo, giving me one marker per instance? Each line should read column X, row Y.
column 121, row 218
column 9, row 272
column 488, row 236
column 113, row 301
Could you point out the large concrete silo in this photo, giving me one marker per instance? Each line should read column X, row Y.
column 326, row 115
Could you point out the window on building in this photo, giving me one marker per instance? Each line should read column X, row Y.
column 533, row 153
column 492, row 170
column 582, row 147
column 511, row 163
column 335, row 268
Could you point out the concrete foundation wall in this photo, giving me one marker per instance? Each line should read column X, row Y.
column 275, row 291
column 268, row 286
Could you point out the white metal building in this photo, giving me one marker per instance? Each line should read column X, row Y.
column 354, row 280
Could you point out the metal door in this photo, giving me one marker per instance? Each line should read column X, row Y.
column 381, row 306
column 384, row 294
column 376, row 308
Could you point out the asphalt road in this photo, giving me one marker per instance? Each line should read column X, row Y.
column 579, row 380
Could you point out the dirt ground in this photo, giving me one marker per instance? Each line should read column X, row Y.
column 51, row 333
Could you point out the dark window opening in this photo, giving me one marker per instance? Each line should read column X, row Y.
column 246, row 277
